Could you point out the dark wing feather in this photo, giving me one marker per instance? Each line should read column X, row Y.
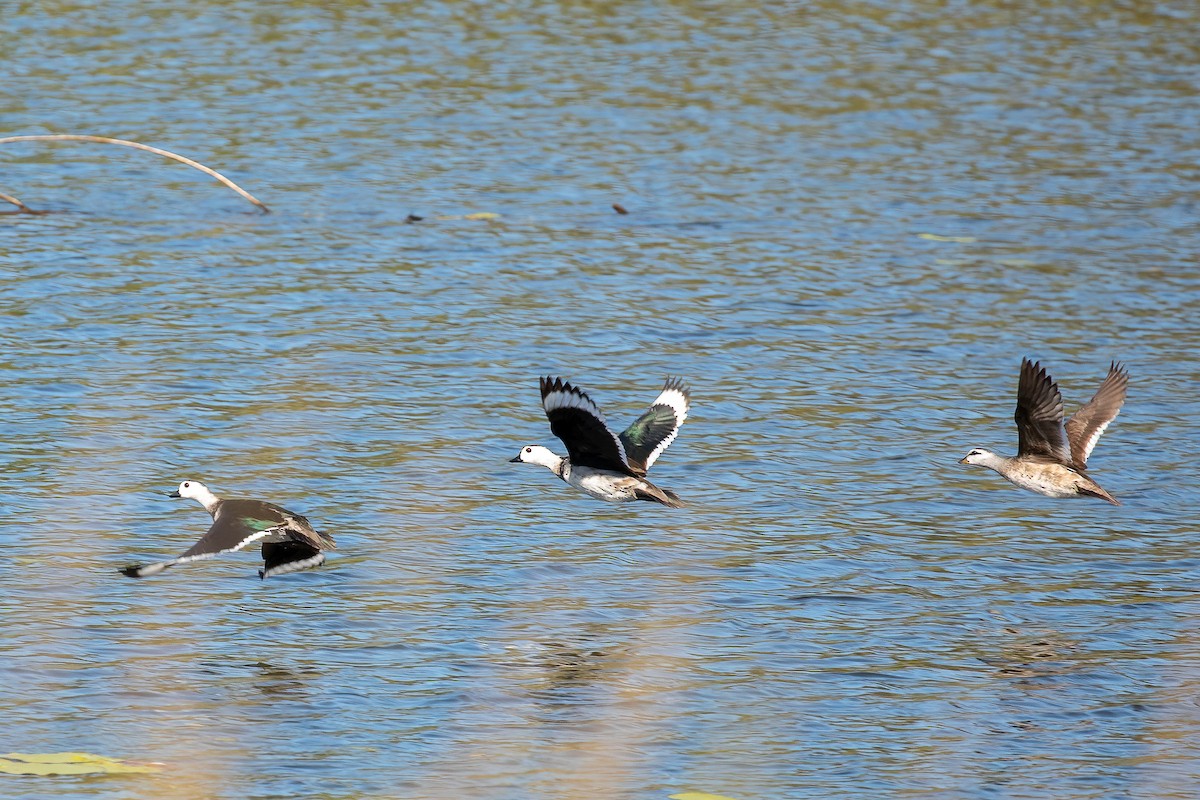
column 578, row 421
column 653, row 431
column 298, row 529
column 280, row 558
column 1085, row 425
column 1039, row 416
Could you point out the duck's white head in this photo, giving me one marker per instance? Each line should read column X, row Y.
column 980, row 457
column 536, row 454
column 195, row 490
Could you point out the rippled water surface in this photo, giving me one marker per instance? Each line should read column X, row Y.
column 847, row 224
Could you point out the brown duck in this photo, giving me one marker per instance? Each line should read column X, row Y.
column 1052, row 457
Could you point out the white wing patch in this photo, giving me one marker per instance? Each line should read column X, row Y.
column 1090, row 444
column 576, row 399
column 678, row 402
column 293, row 566
column 146, row 570
column 251, row 539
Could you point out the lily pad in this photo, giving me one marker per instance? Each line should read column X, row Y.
column 66, row 764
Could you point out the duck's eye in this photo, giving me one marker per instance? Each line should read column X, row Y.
column 186, row 484
column 528, row 449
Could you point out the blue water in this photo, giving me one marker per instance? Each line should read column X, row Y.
column 846, row 227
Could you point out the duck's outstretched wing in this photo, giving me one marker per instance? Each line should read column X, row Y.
column 652, row 432
column 1087, row 424
column 220, row 538
column 1039, row 416
column 580, row 424
column 280, row 558
column 239, row 523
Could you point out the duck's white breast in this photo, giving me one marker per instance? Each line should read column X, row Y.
column 602, row 484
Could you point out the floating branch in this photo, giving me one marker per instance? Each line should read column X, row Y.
column 78, row 137
column 8, row 198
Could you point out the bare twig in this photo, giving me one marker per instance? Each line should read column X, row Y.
column 78, row 137
column 8, row 198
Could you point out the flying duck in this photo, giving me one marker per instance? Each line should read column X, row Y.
column 599, row 462
column 1051, row 457
column 289, row 542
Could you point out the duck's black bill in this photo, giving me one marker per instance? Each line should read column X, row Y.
column 175, row 494
column 516, row 460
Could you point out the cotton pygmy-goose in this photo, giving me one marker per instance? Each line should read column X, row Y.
column 1051, row 457
column 599, row 462
column 289, row 542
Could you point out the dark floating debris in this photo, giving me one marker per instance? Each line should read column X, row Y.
column 411, row 218
column 620, row 209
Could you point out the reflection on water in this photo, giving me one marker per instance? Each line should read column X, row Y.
column 840, row 611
